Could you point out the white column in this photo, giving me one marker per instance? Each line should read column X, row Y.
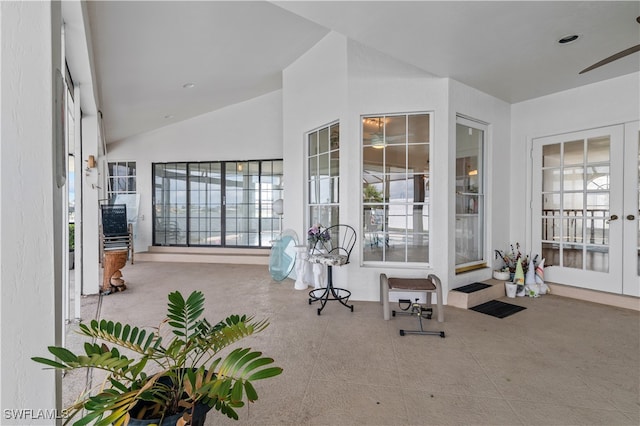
column 30, row 207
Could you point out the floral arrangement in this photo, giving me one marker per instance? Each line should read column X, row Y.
column 510, row 259
column 318, row 233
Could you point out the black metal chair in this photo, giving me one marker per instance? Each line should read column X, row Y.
column 335, row 251
column 115, row 232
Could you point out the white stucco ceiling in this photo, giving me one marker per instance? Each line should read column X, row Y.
column 145, row 52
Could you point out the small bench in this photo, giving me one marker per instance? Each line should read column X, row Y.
column 428, row 285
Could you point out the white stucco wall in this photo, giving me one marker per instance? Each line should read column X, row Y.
column 30, row 267
column 340, row 79
column 314, row 94
column 250, row 130
column 609, row 102
column 380, row 84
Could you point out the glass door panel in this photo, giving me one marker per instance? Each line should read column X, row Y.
column 580, row 178
column 205, row 204
column 469, row 195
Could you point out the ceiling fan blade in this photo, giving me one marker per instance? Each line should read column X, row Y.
column 612, row 58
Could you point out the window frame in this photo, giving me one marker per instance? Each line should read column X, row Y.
column 266, row 177
column 479, row 208
column 409, row 217
column 330, row 210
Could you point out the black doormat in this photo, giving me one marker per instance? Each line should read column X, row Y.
column 470, row 288
column 498, row 309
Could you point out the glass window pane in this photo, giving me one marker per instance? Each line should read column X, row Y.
column 373, row 192
column 572, row 230
column 418, row 159
column 313, row 143
column 597, row 259
column 597, row 178
column 397, row 217
column 334, row 163
column 372, row 159
column 418, row 128
column 313, row 193
column 323, row 164
column 550, row 204
column 550, row 229
column 398, row 190
column 334, row 136
column 573, row 203
column 396, row 157
column 598, row 201
column 395, row 129
column 417, row 248
column 574, row 152
column 417, row 189
column 598, row 230
column 551, row 180
column 598, row 150
column 573, row 179
column 323, row 140
column 551, row 155
column 572, row 256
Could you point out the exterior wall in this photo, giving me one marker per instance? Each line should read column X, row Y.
column 610, row 102
column 250, row 130
column 314, row 94
column 30, row 213
column 380, row 84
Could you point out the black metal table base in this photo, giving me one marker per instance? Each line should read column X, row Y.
column 326, row 294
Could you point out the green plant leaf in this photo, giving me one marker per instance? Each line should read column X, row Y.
column 125, row 332
column 266, row 373
column 252, row 395
column 49, row 362
column 63, row 354
column 236, row 392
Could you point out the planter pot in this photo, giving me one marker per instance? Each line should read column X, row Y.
column 511, row 289
column 199, row 413
column 501, row 275
column 199, row 416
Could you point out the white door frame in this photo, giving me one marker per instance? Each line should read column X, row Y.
column 610, row 281
column 631, row 278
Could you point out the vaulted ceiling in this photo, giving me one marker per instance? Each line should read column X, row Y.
column 147, row 53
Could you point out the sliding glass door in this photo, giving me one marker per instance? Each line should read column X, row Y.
column 224, row 204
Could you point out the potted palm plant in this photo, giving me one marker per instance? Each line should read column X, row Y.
column 175, row 375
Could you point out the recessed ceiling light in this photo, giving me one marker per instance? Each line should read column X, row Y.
column 568, row 39
column 188, row 85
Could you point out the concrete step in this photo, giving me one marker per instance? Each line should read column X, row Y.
column 240, row 256
column 462, row 300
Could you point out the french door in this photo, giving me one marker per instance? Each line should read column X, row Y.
column 585, row 208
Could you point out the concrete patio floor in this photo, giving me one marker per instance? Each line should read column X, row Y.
column 559, row 362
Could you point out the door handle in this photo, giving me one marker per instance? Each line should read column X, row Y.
column 613, row 217
column 630, row 217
